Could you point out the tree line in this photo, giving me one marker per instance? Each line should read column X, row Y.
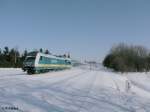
column 11, row 57
column 128, row 58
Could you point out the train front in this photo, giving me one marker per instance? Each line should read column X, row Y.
column 29, row 63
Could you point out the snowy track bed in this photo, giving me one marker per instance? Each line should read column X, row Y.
column 75, row 90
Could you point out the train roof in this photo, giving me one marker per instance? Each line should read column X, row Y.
column 35, row 53
column 53, row 56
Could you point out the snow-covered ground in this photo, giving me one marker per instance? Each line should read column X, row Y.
column 83, row 89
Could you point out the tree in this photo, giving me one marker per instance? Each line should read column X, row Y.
column 127, row 58
column 41, row 50
column 6, row 51
column 65, row 55
column 47, row 51
column 68, row 55
column 12, row 57
column 0, row 51
column 25, row 53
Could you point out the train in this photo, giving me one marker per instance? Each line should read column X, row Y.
column 37, row 62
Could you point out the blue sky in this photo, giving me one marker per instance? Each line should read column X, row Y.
column 85, row 28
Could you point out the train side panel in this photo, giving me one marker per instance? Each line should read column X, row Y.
column 44, row 62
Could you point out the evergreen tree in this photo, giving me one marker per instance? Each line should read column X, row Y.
column 0, row 52
column 47, row 51
column 41, row 50
column 24, row 55
column 12, row 57
column 6, row 51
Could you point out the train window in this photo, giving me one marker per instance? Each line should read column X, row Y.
column 54, row 61
column 47, row 61
column 41, row 57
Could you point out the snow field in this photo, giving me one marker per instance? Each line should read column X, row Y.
column 76, row 90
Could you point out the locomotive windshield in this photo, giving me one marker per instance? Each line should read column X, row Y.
column 30, row 59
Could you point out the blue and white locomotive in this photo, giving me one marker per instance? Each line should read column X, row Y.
column 37, row 62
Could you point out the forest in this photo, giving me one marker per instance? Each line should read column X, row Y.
column 12, row 58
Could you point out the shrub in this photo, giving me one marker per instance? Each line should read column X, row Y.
column 125, row 58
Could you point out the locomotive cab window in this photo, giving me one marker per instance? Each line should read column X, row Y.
column 30, row 59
